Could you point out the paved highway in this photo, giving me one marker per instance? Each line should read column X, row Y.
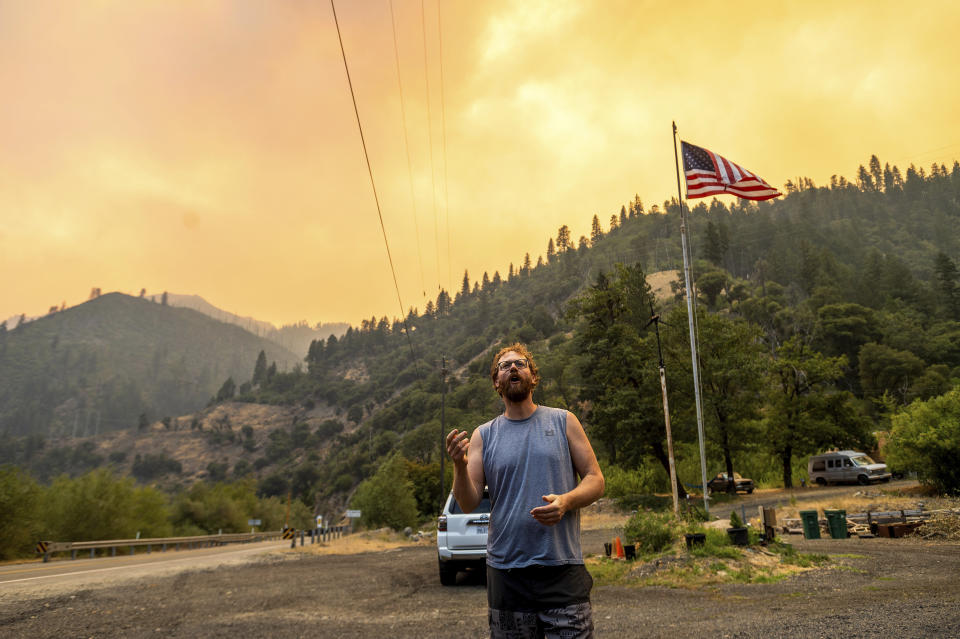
column 62, row 575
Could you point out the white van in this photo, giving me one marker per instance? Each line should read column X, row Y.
column 842, row 466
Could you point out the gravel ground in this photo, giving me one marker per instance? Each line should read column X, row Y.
column 876, row 588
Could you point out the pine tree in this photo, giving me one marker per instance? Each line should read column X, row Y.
column 564, row 243
column 613, row 222
column 526, row 264
column 551, row 252
column 596, row 233
column 510, row 273
column 465, row 288
column 623, row 215
column 864, row 179
column 875, row 172
column 260, row 368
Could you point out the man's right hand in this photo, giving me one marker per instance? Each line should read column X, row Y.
column 457, row 445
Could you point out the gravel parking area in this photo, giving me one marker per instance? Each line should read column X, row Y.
column 876, row 588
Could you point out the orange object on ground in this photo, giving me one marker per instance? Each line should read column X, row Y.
column 619, row 548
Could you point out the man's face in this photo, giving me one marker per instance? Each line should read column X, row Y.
column 514, row 383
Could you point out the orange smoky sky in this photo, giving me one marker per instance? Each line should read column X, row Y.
column 211, row 147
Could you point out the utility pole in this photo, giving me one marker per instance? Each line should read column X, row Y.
column 443, row 427
column 655, row 320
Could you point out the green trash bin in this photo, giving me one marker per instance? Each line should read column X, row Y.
column 837, row 523
column 811, row 524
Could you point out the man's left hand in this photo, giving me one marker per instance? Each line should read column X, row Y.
column 553, row 512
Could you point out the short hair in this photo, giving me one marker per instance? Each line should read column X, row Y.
column 521, row 349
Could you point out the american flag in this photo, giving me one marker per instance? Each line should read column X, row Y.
column 710, row 174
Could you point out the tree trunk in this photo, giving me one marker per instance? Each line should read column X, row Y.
column 661, row 456
column 728, row 461
column 786, row 456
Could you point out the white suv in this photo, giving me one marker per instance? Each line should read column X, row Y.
column 462, row 538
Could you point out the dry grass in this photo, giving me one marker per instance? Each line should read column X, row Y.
column 660, row 283
column 872, row 500
column 361, row 542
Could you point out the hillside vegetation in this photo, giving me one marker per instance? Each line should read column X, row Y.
column 100, row 366
column 820, row 316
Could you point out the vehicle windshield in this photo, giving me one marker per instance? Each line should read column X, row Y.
column 482, row 507
column 862, row 460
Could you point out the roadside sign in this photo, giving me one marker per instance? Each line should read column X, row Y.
column 353, row 514
column 253, row 522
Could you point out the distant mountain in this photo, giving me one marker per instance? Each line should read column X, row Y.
column 100, row 365
column 294, row 337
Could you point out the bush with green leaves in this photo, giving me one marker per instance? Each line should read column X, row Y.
column 387, row 498
column 100, row 505
column 925, row 437
column 651, row 531
column 19, row 500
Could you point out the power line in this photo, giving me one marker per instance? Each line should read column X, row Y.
column 433, row 181
column 406, row 146
column 373, row 185
column 443, row 120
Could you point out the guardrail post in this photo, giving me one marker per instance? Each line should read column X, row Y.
column 73, row 554
column 148, row 549
column 301, row 539
column 293, row 541
column 163, row 548
column 113, row 551
column 131, row 550
column 46, row 557
column 93, row 553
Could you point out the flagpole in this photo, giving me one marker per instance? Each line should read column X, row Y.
column 693, row 341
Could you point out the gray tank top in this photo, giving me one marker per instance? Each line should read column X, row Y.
column 523, row 461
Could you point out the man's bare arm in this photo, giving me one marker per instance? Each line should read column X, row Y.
column 591, row 485
column 468, row 479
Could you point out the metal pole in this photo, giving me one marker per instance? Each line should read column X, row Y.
column 443, row 427
column 693, row 341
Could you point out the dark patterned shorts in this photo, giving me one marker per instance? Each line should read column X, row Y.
column 540, row 601
column 570, row 622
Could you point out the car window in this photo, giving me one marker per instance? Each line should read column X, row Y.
column 862, row 460
column 482, row 507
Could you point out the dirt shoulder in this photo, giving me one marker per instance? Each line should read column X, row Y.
column 876, row 587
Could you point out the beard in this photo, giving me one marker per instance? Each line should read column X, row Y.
column 517, row 391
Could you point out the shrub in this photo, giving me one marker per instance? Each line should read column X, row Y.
column 926, row 438
column 735, row 521
column 100, row 505
column 651, row 531
column 19, row 498
column 386, row 499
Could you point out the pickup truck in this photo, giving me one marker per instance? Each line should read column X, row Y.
column 719, row 483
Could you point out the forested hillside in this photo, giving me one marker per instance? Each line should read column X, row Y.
column 102, row 365
column 820, row 316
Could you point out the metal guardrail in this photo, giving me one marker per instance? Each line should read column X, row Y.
column 47, row 548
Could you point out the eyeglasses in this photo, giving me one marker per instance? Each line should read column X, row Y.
column 505, row 366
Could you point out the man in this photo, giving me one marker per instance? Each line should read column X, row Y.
column 529, row 458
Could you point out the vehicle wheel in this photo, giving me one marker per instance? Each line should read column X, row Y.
column 863, row 480
column 448, row 574
column 749, row 491
column 886, row 480
column 821, row 481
